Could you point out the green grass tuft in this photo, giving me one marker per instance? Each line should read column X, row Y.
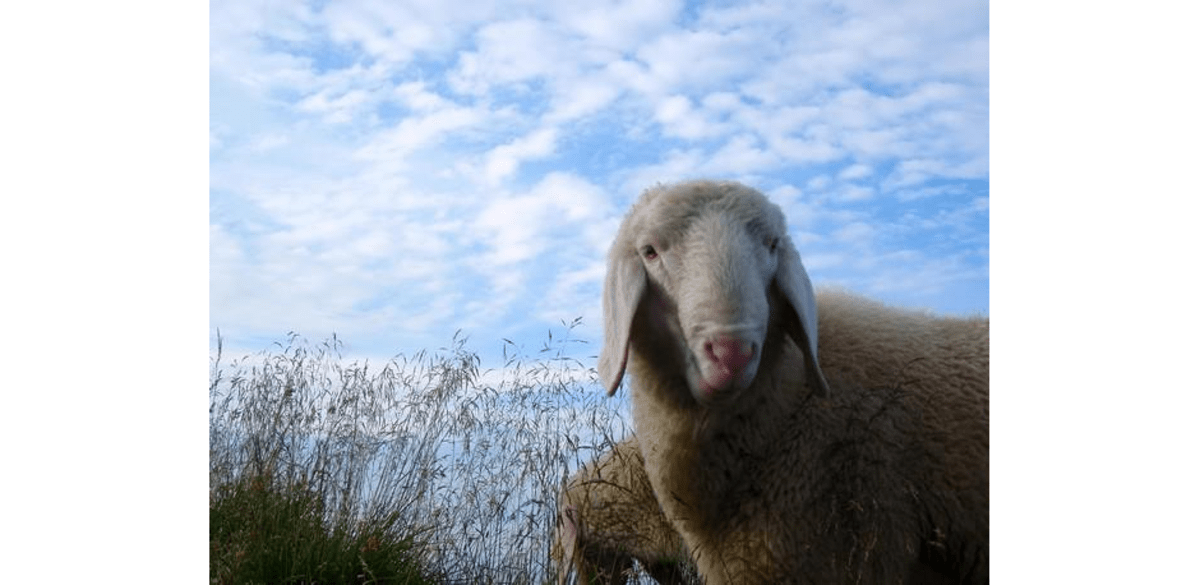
column 263, row 532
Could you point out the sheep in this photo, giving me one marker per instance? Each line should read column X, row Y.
column 854, row 346
column 865, row 464
column 608, row 517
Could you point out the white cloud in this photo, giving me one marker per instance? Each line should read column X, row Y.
column 819, row 183
column 916, row 171
column 341, row 108
column 797, row 133
column 855, row 171
column 635, row 76
column 679, row 119
column 344, row 260
column 424, row 130
column 909, row 274
column 582, row 96
column 503, row 160
column 785, row 195
column 853, row 193
column 723, row 101
column 856, row 234
column 801, row 151
column 541, row 249
column 267, row 142
column 675, row 165
column 619, row 25
column 216, row 133
column 742, row 155
column 572, row 294
column 394, row 32
column 238, row 50
column 415, row 95
column 877, row 144
column 698, row 60
column 512, row 51
column 926, row 192
column 518, row 228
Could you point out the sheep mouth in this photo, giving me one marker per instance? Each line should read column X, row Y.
column 722, row 364
column 721, row 384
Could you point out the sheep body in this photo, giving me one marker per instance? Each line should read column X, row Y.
column 608, row 517
column 775, row 464
column 862, row 342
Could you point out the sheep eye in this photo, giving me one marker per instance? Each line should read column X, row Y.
column 773, row 244
column 649, row 253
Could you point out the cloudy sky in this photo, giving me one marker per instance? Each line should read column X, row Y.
column 396, row 171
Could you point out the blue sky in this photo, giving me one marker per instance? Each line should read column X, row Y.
column 396, row 171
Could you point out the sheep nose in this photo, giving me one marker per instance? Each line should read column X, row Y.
column 730, row 353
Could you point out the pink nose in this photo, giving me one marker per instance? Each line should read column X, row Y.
column 730, row 353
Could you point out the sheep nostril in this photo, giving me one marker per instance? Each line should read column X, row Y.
column 730, row 353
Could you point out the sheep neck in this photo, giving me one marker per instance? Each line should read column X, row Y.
column 705, row 462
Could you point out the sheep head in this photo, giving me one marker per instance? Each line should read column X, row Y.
column 703, row 268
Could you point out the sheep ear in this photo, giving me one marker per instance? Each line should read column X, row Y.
column 623, row 288
column 793, row 281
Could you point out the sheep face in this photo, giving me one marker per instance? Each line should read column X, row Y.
column 697, row 274
column 718, row 276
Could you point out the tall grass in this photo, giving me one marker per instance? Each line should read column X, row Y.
column 420, row 469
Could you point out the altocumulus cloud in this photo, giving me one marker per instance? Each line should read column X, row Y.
column 396, row 171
